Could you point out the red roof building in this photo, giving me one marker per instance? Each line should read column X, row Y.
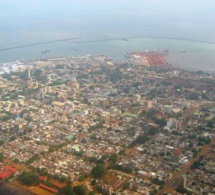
column 48, row 188
column 177, row 152
column 11, row 169
column 58, row 185
column 5, row 175
column 42, row 178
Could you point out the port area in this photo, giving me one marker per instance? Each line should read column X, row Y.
column 148, row 58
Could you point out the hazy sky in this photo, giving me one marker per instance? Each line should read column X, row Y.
column 53, row 19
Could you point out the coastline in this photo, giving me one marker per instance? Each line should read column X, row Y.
column 186, row 54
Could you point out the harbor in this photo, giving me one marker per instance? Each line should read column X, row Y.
column 193, row 56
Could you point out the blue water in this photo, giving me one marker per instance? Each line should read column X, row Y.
column 26, row 21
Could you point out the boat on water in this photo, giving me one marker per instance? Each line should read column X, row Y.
column 125, row 39
column 45, row 51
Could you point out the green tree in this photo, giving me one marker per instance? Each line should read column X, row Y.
column 162, row 154
column 91, row 193
column 16, row 160
column 193, row 96
column 134, row 188
column 210, row 124
column 48, row 183
column 59, row 66
column 29, row 178
column 141, row 139
column 1, row 142
column 182, row 190
column 122, row 168
column 82, row 178
column 190, row 145
column 160, row 122
column 113, row 158
column 154, row 192
column 93, row 182
column 122, row 152
column 153, row 131
column 79, row 190
column 51, row 148
column 158, row 182
column 126, row 185
column 37, row 72
column 98, row 171
column 197, row 165
column 1, row 157
column 66, row 190
column 12, row 138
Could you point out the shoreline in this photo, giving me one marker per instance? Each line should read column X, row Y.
column 191, row 55
column 14, row 65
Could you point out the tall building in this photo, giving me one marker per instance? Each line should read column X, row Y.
column 177, row 154
column 29, row 73
column 36, row 84
column 147, row 104
column 184, row 181
column 175, row 123
column 106, row 117
column 138, row 97
column 73, row 83
column 167, row 109
column 73, row 77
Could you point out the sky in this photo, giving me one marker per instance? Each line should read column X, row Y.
column 40, row 20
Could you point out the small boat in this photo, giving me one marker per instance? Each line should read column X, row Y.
column 124, row 39
column 45, row 51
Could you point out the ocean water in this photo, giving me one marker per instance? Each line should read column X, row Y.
column 24, row 22
column 187, row 55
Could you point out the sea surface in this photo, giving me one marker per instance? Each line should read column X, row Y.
column 185, row 54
